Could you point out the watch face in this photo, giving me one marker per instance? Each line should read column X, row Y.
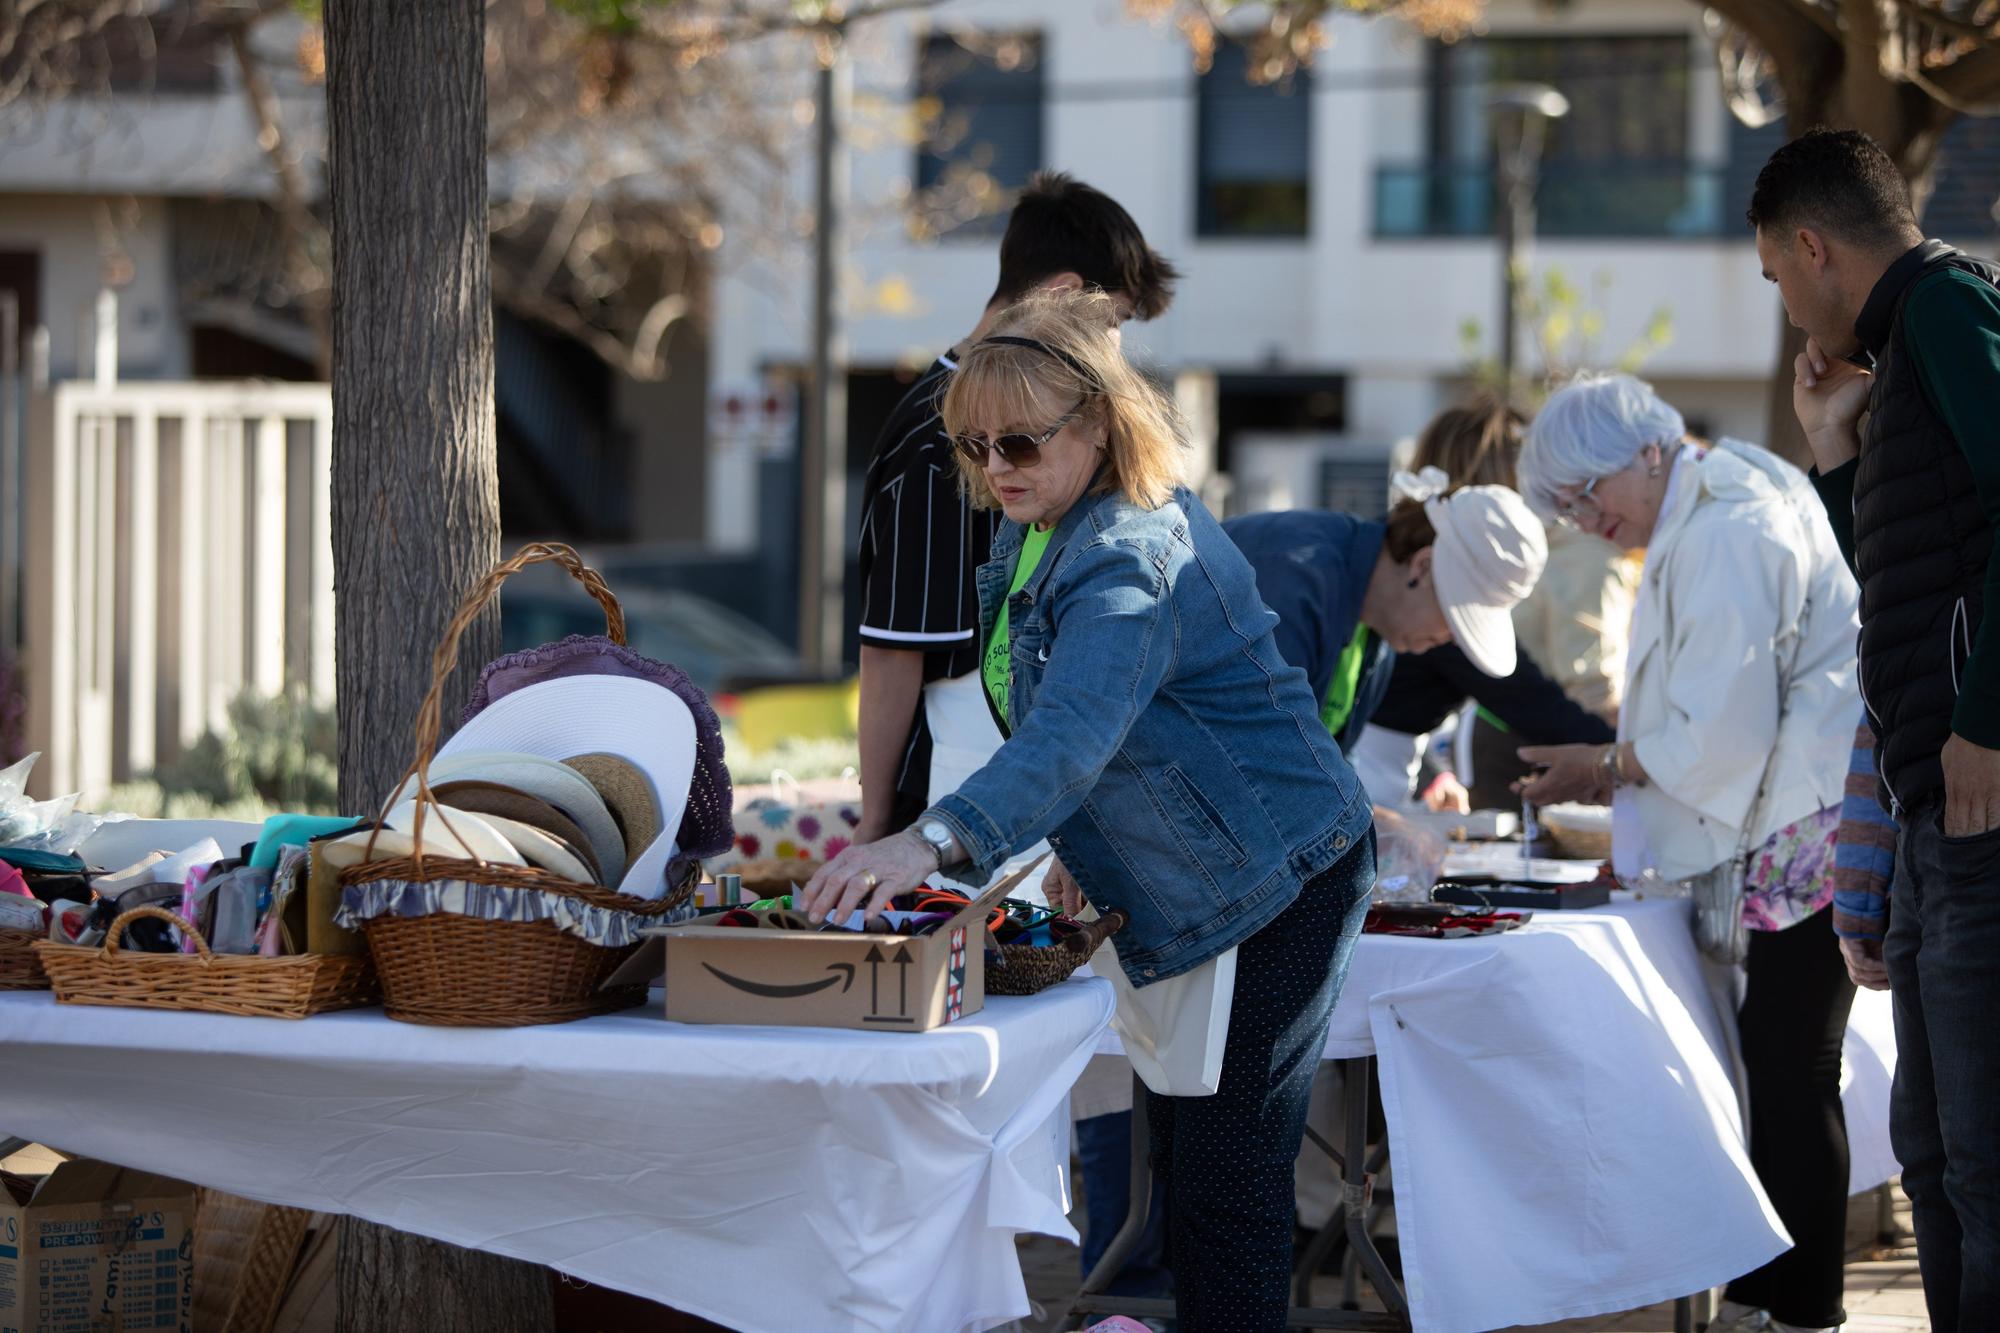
column 934, row 833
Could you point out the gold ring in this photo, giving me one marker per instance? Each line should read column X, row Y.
column 869, row 881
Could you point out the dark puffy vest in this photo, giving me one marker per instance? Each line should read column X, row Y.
column 1921, row 545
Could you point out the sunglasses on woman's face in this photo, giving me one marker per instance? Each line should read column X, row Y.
column 1018, row 448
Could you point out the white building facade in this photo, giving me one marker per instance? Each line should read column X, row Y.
column 1335, row 235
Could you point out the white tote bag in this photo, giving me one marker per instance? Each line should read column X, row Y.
column 1174, row 1030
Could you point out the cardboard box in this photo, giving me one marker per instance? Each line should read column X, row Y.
column 829, row 979
column 96, row 1247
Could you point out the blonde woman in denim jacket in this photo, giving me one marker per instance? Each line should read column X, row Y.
column 1173, row 760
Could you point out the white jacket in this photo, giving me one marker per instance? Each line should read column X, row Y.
column 1744, row 548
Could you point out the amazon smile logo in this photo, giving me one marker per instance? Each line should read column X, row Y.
column 771, row 991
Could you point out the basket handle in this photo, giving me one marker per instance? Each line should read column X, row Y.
column 430, row 717
column 115, row 935
column 1087, row 940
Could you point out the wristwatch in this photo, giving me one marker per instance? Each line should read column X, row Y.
column 939, row 839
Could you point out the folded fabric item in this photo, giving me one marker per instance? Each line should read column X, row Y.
column 323, row 933
column 281, row 831
column 493, row 902
column 132, row 876
column 542, row 776
column 512, row 804
column 705, row 825
column 22, row 912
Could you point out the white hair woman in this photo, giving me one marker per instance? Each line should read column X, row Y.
column 1740, row 676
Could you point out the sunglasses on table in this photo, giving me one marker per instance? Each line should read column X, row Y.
column 1018, row 448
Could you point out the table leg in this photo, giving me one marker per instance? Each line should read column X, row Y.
column 1358, row 1077
column 1138, row 1200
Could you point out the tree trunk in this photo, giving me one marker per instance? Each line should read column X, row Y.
column 416, row 511
column 415, row 494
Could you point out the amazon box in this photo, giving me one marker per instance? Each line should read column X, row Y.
column 827, row 978
column 96, row 1246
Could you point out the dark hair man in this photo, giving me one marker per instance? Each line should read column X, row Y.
column 1908, row 330
column 924, row 723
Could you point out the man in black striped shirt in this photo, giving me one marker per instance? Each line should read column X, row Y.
column 921, row 543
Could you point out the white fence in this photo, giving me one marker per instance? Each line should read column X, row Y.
column 177, row 553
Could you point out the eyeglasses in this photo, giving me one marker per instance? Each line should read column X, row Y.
column 1019, row 449
column 1572, row 512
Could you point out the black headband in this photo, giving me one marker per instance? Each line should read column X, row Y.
column 1083, row 372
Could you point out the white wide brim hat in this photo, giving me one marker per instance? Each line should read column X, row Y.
column 635, row 720
column 1489, row 552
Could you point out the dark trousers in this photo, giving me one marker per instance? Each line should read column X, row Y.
column 1793, row 1021
column 1943, row 953
column 1226, row 1160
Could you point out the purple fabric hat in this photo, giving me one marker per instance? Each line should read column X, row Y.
column 707, row 825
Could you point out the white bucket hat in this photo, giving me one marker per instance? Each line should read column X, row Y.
column 1490, row 549
column 635, row 720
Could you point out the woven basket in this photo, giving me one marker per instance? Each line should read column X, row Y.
column 244, row 1254
column 19, row 968
column 459, row 971
column 295, row 986
column 1031, row 970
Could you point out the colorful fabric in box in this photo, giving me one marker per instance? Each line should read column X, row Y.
column 768, row 829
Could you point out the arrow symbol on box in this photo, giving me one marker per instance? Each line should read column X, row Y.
column 903, row 961
column 874, row 960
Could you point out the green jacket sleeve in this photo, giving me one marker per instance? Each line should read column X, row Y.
column 1836, row 492
column 1952, row 327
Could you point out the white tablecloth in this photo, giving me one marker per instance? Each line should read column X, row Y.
column 766, row 1178
column 1563, row 1116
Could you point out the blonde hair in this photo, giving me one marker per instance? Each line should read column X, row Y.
column 1475, row 444
column 1144, row 441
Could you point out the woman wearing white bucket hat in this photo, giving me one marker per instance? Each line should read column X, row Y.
column 1352, row 593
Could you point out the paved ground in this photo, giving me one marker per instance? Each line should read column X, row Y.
column 1883, row 1292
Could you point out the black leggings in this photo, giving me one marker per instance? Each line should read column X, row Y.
column 1793, row 1021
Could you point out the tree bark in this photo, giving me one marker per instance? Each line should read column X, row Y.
column 416, row 511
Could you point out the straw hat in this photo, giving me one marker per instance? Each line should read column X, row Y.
column 498, row 802
column 542, row 777
column 635, row 720
column 543, row 849
column 627, row 793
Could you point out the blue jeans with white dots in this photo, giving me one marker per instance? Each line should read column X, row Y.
column 1227, row 1159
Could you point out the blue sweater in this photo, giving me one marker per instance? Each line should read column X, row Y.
column 1312, row 569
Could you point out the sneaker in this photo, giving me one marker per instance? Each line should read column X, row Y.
column 1780, row 1326
column 1734, row 1317
column 1119, row 1323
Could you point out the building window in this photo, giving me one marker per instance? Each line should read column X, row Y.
column 979, row 100
column 1619, row 164
column 1254, row 151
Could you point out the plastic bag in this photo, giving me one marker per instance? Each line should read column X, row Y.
column 1408, row 859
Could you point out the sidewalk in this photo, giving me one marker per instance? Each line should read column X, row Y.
column 1884, row 1294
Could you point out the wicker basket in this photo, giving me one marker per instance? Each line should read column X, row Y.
column 244, row 1254
column 1031, row 970
column 20, row 969
column 295, row 986
column 459, row 971
column 1579, row 832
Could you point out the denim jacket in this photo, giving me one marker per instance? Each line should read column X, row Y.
column 1171, row 757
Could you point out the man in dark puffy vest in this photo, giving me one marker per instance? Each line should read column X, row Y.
column 1907, row 331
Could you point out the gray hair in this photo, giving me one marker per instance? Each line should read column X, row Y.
column 1592, row 427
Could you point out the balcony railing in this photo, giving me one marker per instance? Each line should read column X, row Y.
column 1642, row 199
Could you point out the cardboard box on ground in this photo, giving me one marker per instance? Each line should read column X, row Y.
column 96, row 1246
column 833, row 978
